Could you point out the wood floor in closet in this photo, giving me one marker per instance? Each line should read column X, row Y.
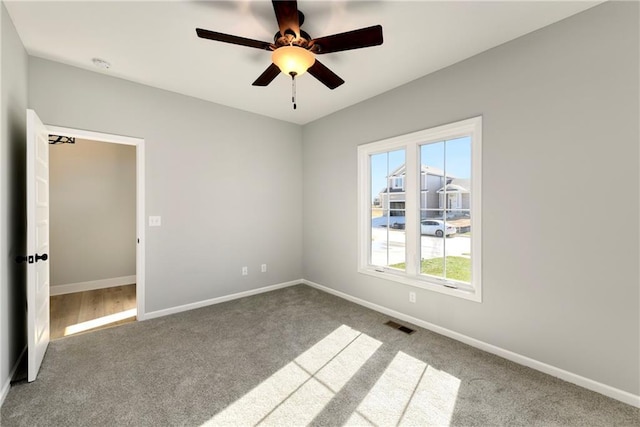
column 92, row 310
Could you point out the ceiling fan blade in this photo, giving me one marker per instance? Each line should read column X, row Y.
column 287, row 16
column 267, row 77
column 325, row 75
column 227, row 38
column 356, row 39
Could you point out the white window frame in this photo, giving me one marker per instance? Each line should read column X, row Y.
column 411, row 144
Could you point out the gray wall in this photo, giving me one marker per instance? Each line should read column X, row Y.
column 558, row 104
column 13, row 104
column 92, row 192
column 226, row 182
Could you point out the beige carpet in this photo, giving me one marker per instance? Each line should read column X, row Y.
column 295, row 356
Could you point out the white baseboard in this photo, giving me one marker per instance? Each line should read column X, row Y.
column 218, row 300
column 614, row 393
column 7, row 384
column 92, row 285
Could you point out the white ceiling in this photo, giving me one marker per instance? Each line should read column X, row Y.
column 155, row 43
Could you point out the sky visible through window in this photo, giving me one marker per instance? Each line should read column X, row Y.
column 458, row 161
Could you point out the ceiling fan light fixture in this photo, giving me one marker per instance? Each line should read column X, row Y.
column 293, row 60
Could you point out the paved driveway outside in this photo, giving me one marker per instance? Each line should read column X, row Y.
column 392, row 242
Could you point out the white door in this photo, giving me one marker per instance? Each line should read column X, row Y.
column 37, row 242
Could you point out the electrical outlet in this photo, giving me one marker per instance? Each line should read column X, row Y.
column 245, row 271
column 412, row 297
column 263, row 268
column 155, row 221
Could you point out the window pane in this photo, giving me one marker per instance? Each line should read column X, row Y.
column 432, row 251
column 445, row 209
column 458, row 167
column 456, row 199
column 432, row 163
column 432, row 180
column 388, row 210
column 458, row 249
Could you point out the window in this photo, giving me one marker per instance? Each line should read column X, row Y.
column 419, row 209
column 398, row 183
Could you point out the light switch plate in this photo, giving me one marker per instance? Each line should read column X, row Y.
column 155, row 221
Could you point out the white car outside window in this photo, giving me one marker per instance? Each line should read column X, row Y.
column 436, row 227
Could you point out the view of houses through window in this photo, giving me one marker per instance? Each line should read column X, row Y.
column 445, row 178
column 445, row 215
column 388, row 209
column 427, row 182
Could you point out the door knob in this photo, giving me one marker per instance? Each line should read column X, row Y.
column 30, row 258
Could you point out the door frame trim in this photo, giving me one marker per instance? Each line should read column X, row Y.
column 140, row 197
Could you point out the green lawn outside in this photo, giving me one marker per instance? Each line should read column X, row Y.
column 458, row 268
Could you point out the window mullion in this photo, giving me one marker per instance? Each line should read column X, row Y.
column 412, row 209
column 445, row 213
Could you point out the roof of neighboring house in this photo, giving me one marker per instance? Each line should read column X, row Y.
column 426, row 169
column 457, row 185
column 431, row 170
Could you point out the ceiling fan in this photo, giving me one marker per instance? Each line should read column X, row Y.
column 294, row 50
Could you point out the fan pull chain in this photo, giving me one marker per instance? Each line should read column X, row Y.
column 293, row 90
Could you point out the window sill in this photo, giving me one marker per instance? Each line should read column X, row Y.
column 387, row 274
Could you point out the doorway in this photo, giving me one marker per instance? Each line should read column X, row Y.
column 89, row 311
column 85, row 303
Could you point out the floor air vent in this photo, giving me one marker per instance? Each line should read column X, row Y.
column 400, row 327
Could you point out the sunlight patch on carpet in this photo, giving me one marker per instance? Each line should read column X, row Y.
column 100, row 321
column 409, row 392
column 301, row 389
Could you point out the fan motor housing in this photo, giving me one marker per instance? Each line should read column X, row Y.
column 290, row 39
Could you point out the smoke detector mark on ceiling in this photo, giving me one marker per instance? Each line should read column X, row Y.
column 101, row 63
